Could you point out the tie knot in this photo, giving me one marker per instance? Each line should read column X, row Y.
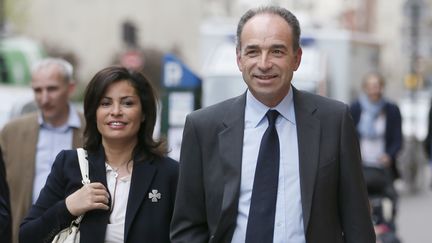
column 272, row 116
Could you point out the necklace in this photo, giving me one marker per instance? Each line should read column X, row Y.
column 117, row 170
column 116, row 174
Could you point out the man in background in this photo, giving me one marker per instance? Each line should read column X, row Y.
column 379, row 125
column 30, row 143
column 428, row 142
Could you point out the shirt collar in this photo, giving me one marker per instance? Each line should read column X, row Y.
column 255, row 110
column 73, row 121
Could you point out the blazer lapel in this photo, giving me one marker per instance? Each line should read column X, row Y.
column 97, row 169
column 230, row 151
column 32, row 135
column 308, row 133
column 142, row 176
column 96, row 221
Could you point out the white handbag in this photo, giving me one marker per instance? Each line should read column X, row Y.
column 71, row 234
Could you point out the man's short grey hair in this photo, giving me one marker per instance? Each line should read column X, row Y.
column 374, row 74
column 66, row 69
column 289, row 17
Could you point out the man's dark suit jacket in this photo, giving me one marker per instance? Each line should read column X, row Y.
column 5, row 214
column 333, row 193
column 393, row 132
column 146, row 221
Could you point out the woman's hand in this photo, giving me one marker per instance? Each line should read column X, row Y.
column 89, row 197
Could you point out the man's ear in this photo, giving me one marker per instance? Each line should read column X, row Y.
column 297, row 56
column 238, row 59
column 71, row 87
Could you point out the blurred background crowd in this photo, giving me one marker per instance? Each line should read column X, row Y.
column 187, row 49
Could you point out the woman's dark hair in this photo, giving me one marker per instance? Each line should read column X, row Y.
column 146, row 147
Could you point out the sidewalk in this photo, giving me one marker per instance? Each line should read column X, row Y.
column 415, row 214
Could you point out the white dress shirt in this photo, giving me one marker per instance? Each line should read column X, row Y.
column 373, row 148
column 119, row 191
column 289, row 215
column 51, row 141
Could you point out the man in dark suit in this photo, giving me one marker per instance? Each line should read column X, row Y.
column 5, row 214
column 319, row 186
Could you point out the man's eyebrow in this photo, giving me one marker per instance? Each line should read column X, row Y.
column 279, row 46
column 275, row 46
column 253, row 46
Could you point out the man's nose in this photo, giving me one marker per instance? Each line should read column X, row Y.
column 44, row 97
column 264, row 62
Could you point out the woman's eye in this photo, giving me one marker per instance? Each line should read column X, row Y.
column 128, row 103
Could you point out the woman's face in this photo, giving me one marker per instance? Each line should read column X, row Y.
column 119, row 114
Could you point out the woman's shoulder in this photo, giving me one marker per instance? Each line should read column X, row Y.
column 66, row 158
column 167, row 162
column 67, row 154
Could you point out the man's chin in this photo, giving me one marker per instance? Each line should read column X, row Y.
column 48, row 116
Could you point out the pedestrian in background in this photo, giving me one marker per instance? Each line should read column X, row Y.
column 274, row 164
column 428, row 141
column 31, row 142
column 133, row 184
column 379, row 125
column 5, row 214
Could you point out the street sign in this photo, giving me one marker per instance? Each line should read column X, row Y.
column 177, row 75
column 182, row 96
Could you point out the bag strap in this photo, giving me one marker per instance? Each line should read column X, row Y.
column 83, row 163
column 84, row 168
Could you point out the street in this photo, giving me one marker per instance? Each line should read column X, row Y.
column 415, row 212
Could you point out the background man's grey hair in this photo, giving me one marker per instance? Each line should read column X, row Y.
column 282, row 12
column 374, row 74
column 66, row 69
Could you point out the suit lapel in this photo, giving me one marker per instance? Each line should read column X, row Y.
column 77, row 133
column 230, row 151
column 31, row 135
column 142, row 176
column 308, row 134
